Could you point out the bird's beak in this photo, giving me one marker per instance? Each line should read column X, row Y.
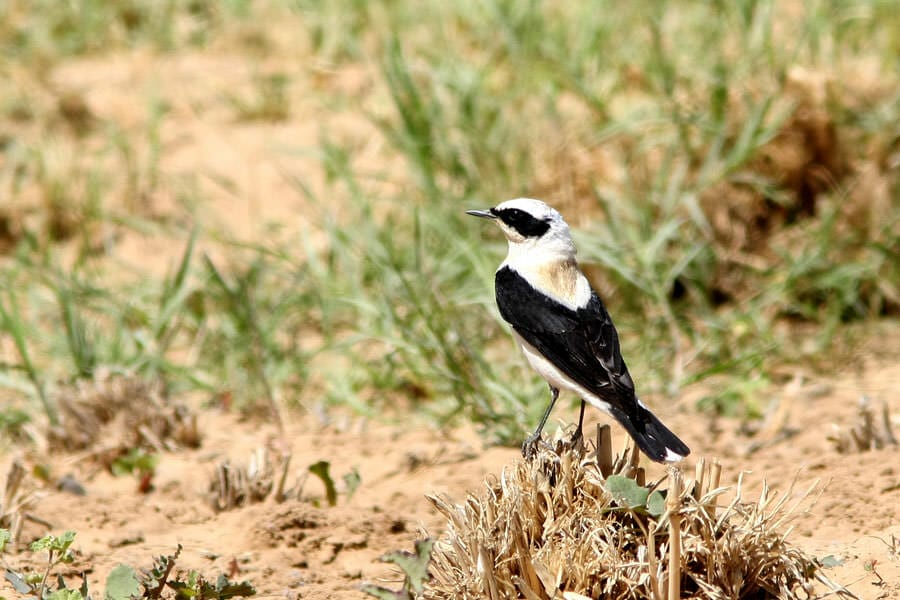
column 484, row 214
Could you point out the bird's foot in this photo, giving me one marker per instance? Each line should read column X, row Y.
column 530, row 445
column 576, row 442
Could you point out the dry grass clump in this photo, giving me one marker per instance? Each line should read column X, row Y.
column 232, row 485
column 872, row 431
column 133, row 411
column 553, row 525
column 807, row 164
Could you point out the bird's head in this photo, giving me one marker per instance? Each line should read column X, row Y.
column 531, row 226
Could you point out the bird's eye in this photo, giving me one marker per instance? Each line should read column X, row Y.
column 523, row 222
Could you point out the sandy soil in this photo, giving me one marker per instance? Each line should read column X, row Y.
column 302, row 548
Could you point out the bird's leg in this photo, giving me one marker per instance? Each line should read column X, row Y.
column 576, row 436
column 529, row 447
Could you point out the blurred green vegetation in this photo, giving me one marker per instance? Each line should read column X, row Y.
column 731, row 169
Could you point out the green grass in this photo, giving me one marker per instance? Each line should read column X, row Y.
column 645, row 123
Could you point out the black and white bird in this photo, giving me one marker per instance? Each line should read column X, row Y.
column 564, row 329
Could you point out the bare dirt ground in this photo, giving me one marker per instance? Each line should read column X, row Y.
column 305, row 549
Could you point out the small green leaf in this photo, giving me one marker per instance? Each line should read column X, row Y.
column 383, row 593
column 137, row 460
column 53, row 543
column 182, row 590
column 66, row 594
column 5, row 536
column 195, row 586
column 42, row 544
column 122, row 583
column 831, row 561
column 185, row 590
column 66, row 539
column 320, row 470
column 415, row 566
column 626, row 491
column 229, row 589
column 656, row 503
column 156, row 578
column 33, row 577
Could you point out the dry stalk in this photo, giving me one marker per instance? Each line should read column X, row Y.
column 653, row 567
column 673, row 509
column 16, row 501
column 233, row 486
column 873, row 431
column 604, row 455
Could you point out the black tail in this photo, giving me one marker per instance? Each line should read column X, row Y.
column 653, row 438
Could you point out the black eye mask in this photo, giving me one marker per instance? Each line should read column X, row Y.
column 521, row 221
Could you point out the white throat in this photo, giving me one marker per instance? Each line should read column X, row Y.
column 554, row 246
column 549, row 265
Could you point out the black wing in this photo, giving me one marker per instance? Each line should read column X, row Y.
column 582, row 343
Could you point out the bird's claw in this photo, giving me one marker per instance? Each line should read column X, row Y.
column 532, row 443
column 577, row 439
column 530, row 446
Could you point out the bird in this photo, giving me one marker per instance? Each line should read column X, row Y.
column 563, row 327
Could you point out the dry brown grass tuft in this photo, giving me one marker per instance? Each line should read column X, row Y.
column 872, row 431
column 132, row 412
column 232, row 485
column 551, row 528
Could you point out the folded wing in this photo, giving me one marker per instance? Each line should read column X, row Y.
column 582, row 343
